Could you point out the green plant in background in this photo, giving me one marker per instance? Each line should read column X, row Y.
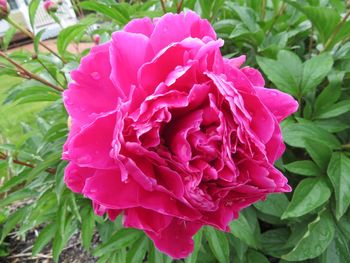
column 301, row 46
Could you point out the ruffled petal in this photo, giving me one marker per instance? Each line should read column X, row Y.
column 92, row 91
column 143, row 26
column 146, row 219
column 254, row 76
column 106, row 188
column 75, row 176
column 172, row 28
column 128, row 52
column 91, row 147
column 176, row 240
column 279, row 103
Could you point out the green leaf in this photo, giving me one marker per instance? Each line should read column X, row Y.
column 334, row 110
column 218, row 244
column 44, row 238
column 37, row 40
column 274, row 241
column 32, row 8
column 137, row 251
column 116, row 12
column 154, row 256
column 64, row 231
column 319, row 152
column 314, row 71
column 324, row 19
column 50, row 160
column 285, row 72
column 274, row 205
column 87, row 226
column 67, row 35
column 339, row 173
column 295, row 134
column 254, row 256
column 310, row 194
column 315, row 241
column 12, row 221
column 332, row 125
column 18, row 195
column 331, row 93
column 337, row 251
column 59, row 181
column 14, row 180
column 306, row 167
column 197, row 245
column 6, row 40
column 239, row 246
column 245, row 229
column 123, row 238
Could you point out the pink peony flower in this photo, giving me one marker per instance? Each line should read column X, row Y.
column 4, row 9
column 96, row 38
column 50, row 6
column 171, row 134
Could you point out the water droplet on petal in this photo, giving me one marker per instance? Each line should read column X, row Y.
column 95, row 75
column 273, row 93
column 84, row 159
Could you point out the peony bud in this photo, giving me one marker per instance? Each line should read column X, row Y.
column 50, row 6
column 96, row 38
column 4, row 9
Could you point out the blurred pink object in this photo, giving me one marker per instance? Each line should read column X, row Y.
column 50, row 6
column 4, row 9
column 96, row 38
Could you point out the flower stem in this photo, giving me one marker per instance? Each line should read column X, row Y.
column 179, row 7
column 276, row 17
column 263, row 9
column 22, row 71
column 4, row 156
column 162, row 3
column 336, row 31
column 346, row 146
column 32, row 36
column 48, row 71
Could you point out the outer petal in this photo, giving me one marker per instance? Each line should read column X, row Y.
column 254, row 76
column 106, row 188
column 279, row 103
column 275, row 146
column 91, row 147
column 128, row 52
column 172, row 28
column 143, row 26
column 92, row 92
column 145, row 219
column 176, row 239
column 75, row 176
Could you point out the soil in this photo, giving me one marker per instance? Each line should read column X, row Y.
column 20, row 251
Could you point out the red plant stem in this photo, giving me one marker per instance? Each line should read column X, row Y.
column 32, row 36
column 24, row 72
column 4, row 156
column 162, row 2
column 336, row 30
column 179, row 6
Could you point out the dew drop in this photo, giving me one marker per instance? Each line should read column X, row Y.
column 273, row 93
column 95, row 75
column 84, row 159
